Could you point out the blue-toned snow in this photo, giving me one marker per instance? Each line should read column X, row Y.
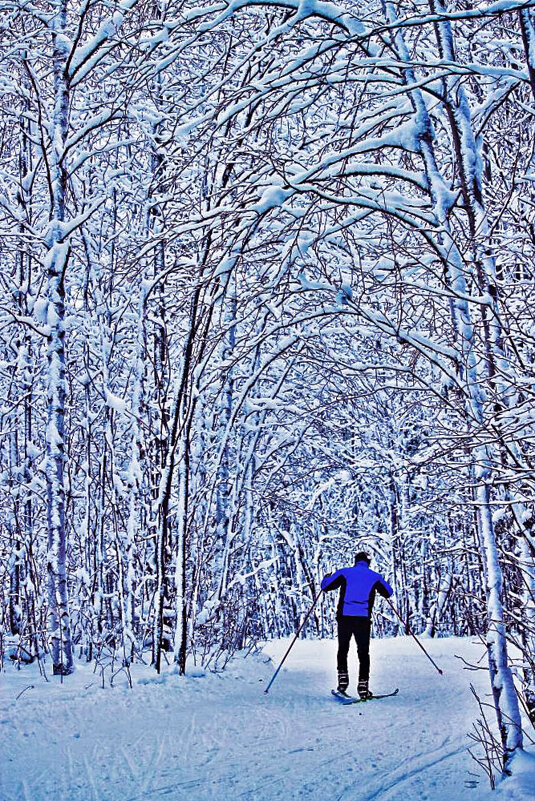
column 215, row 737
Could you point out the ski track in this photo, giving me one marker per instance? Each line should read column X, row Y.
column 220, row 737
column 399, row 777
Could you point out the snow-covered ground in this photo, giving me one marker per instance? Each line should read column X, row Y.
column 219, row 737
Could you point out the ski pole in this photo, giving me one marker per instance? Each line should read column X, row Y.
column 293, row 641
column 413, row 635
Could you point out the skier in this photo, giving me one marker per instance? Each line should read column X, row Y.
column 358, row 585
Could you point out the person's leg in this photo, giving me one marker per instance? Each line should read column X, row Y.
column 362, row 636
column 344, row 638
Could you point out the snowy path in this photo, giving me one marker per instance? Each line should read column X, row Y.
column 220, row 737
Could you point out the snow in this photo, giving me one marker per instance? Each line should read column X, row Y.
column 115, row 402
column 272, row 197
column 218, row 736
column 521, row 785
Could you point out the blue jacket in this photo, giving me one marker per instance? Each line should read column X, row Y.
column 358, row 586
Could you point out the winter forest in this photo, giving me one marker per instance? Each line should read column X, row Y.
column 267, row 298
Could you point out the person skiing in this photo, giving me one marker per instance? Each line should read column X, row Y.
column 358, row 586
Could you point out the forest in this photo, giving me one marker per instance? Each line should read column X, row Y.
column 267, row 299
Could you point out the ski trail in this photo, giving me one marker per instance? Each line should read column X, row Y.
column 91, row 779
column 260, row 787
column 219, row 737
column 132, row 767
column 401, row 776
column 152, row 770
column 186, row 786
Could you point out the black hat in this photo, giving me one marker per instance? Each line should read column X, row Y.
column 362, row 556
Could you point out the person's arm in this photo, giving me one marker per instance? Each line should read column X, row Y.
column 332, row 581
column 384, row 588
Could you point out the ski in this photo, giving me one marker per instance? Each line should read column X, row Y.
column 346, row 700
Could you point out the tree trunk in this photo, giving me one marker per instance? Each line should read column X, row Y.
column 56, row 264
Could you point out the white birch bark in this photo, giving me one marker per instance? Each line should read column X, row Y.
column 56, row 264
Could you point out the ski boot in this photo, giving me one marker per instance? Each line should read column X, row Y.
column 363, row 691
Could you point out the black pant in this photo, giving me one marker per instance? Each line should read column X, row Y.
column 359, row 627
